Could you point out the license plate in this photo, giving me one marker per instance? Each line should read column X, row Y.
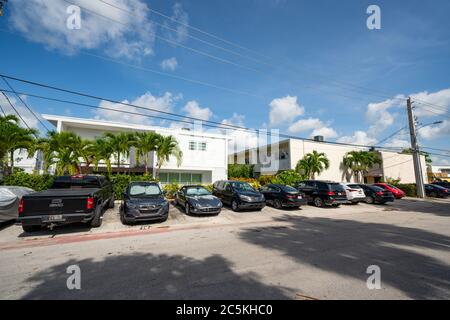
column 55, row 217
column 299, row 197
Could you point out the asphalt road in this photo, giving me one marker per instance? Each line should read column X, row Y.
column 274, row 254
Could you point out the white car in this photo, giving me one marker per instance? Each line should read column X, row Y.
column 354, row 194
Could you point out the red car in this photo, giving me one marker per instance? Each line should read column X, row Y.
column 398, row 194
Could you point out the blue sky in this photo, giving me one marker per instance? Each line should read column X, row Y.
column 314, row 66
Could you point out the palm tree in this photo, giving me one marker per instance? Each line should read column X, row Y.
column 121, row 144
column 167, row 146
column 87, row 152
column 313, row 163
column 14, row 137
column 146, row 142
column 103, row 151
column 61, row 149
column 359, row 162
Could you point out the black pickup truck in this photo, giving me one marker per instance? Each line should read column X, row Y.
column 70, row 199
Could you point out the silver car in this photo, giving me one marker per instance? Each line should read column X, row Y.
column 9, row 201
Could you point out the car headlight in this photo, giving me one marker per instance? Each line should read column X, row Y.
column 131, row 205
column 245, row 198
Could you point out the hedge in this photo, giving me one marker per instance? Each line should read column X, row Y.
column 408, row 188
column 34, row 181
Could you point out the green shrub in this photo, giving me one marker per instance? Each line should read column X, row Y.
column 263, row 180
column 121, row 181
column 408, row 188
column 240, row 170
column 171, row 189
column 208, row 187
column 289, row 177
column 34, row 181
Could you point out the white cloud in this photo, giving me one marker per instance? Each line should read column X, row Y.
column 45, row 22
column 284, row 110
column 169, row 64
column 379, row 116
column 163, row 103
column 359, row 137
column 315, row 125
column 27, row 116
column 435, row 131
column 397, row 143
column 193, row 109
column 439, row 98
column 181, row 33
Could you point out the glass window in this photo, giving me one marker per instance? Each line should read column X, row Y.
column 192, row 145
column 174, row 177
column 185, row 178
column 163, row 177
column 145, row 190
column 197, row 191
column 202, row 146
column 197, row 178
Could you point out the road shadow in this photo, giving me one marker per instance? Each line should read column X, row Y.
column 437, row 208
column 58, row 230
column 347, row 248
column 149, row 276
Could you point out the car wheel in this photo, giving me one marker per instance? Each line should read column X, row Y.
column 97, row 220
column 111, row 202
column 433, row 194
column 370, row 200
column 187, row 208
column 30, row 228
column 277, row 204
column 122, row 219
column 318, row 202
column 234, row 205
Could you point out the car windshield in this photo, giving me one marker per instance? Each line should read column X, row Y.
column 289, row 189
column 354, row 186
column 242, row 186
column 145, row 190
column 392, row 187
column 438, row 187
column 336, row 187
column 197, row 191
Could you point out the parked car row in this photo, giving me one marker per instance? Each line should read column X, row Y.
column 84, row 198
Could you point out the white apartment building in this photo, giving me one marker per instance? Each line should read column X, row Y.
column 205, row 155
column 288, row 152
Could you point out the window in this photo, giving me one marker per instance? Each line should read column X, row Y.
column 180, row 177
column 192, row 145
column 202, row 146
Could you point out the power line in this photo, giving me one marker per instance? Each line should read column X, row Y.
column 190, row 36
column 175, row 43
column 368, row 92
column 215, row 125
column 12, row 106
column 26, row 105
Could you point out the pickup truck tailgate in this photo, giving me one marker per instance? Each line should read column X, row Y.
column 56, row 201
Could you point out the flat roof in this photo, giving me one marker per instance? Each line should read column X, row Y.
column 104, row 124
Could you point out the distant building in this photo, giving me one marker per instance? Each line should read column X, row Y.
column 439, row 172
column 205, row 155
column 288, row 152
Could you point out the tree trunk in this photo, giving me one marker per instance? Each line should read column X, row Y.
column 146, row 163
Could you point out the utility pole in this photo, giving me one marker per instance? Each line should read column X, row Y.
column 415, row 151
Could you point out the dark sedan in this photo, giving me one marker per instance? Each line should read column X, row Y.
column 143, row 201
column 280, row 196
column 436, row 191
column 198, row 200
column 375, row 194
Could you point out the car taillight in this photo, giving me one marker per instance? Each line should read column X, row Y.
column 291, row 196
column 90, row 203
column 21, row 207
column 331, row 193
column 379, row 193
